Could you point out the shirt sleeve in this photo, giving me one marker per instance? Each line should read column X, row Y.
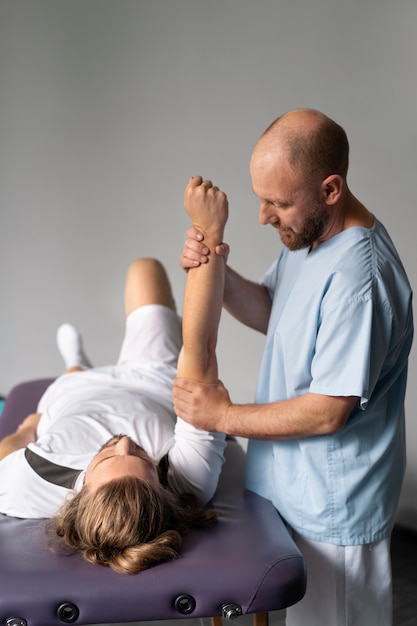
column 195, row 460
column 352, row 344
column 270, row 278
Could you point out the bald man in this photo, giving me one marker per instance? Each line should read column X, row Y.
column 327, row 428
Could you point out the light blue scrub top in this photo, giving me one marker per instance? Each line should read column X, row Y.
column 341, row 325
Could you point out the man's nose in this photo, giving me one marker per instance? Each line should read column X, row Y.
column 267, row 215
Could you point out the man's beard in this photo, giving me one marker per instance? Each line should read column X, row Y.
column 310, row 232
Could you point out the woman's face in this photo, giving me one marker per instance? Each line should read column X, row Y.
column 118, row 458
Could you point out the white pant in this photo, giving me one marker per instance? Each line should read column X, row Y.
column 346, row 585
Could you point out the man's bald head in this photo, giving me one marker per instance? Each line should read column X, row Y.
column 312, row 143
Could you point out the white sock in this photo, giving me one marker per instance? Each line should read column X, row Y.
column 70, row 346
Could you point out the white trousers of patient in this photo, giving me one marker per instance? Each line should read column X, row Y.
column 346, row 585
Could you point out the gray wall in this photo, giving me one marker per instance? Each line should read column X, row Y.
column 108, row 106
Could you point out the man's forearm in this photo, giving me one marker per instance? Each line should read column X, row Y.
column 247, row 301
column 305, row 416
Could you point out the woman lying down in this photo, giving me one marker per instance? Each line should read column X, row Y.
column 121, row 477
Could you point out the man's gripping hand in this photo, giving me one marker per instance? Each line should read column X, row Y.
column 203, row 405
column 195, row 252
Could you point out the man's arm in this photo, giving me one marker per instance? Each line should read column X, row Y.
column 24, row 434
column 303, row 416
column 208, row 406
column 247, row 301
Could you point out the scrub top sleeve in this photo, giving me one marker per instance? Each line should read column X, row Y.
column 341, row 364
column 270, row 278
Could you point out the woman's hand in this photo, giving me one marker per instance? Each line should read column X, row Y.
column 24, row 435
column 30, row 424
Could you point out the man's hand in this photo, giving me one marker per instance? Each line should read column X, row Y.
column 202, row 405
column 195, row 252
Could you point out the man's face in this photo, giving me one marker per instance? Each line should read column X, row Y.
column 118, row 458
column 297, row 210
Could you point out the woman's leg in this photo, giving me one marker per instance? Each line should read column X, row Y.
column 153, row 328
column 147, row 283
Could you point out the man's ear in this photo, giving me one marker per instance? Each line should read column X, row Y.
column 332, row 187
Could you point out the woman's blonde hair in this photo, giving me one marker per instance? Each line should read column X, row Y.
column 128, row 524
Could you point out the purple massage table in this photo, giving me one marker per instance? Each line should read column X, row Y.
column 246, row 563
